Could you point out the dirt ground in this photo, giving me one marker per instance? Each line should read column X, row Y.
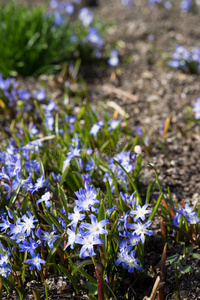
column 159, row 92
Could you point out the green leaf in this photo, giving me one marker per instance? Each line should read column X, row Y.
column 8, row 240
column 91, row 287
column 148, row 192
column 6, row 282
column 132, row 183
column 101, row 213
column 195, row 255
column 55, row 222
column 138, row 167
column 155, row 208
column 186, row 269
column 111, row 291
column 185, row 233
column 14, row 196
column 172, row 259
column 55, row 246
column 63, row 176
column 81, row 265
column 63, row 199
column 109, row 194
column 57, row 126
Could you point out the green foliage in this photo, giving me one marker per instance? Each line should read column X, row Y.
column 32, row 44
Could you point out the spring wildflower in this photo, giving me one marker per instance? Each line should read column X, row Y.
column 28, row 223
column 71, row 238
column 40, row 94
column 36, row 261
column 95, row 227
column 75, row 217
column 49, row 238
column 87, row 241
column 5, row 270
column 45, row 198
column 140, row 212
column 141, row 229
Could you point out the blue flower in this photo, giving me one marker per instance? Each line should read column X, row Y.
column 88, row 241
column 40, row 94
column 71, row 238
column 129, row 3
column 40, row 183
column 133, row 238
column 95, row 228
column 141, row 229
column 19, row 237
column 94, row 38
column 28, row 246
column 73, row 153
column 5, row 224
column 113, row 60
column 23, row 94
column 128, row 199
column 96, row 127
column 46, row 197
column 86, row 16
column 153, row 2
column 5, row 270
column 17, row 228
column 75, row 217
column 196, row 109
column 28, row 223
column 130, row 262
column 4, row 259
column 36, row 261
column 140, row 212
column 86, row 198
column 186, row 5
column 49, row 238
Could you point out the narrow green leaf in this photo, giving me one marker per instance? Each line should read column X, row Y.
column 63, row 176
column 7, row 282
column 63, row 199
column 185, row 233
column 14, row 196
column 132, row 183
column 55, row 246
column 148, row 192
column 155, row 208
column 55, row 222
column 91, row 287
column 81, row 265
column 57, row 126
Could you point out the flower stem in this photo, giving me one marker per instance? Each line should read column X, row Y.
column 100, row 282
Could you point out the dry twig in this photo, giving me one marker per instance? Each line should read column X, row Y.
column 109, row 89
column 156, row 287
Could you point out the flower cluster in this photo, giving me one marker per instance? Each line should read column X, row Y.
column 83, row 232
column 188, row 213
column 167, row 4
column 5, row 268
column 60, row 197
column 196, row 109
column 62, row 11
column 186, row 60
column 8, row 90
column 186, row 5
column 126, row 256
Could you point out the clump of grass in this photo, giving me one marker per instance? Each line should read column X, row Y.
column 35, row 41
